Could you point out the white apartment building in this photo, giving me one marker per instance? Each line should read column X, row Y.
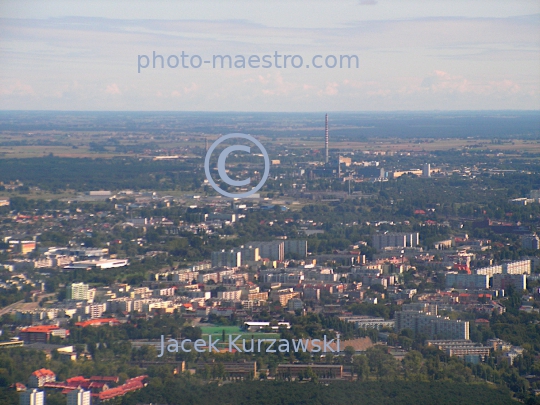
column 384, row 240
column 32, row 397
column 431, row 325
column 79, row 397
column 518, row 267
column 77, row 291
column 233, row 295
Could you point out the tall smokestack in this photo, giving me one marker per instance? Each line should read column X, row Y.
column 326, row 139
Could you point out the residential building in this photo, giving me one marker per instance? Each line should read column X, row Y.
column 205, row 278
column 77, row 291
column 489, row 271
column 32, row 397
column 274, row 250
column 79, row 397
column 96, row 310
column 226, row 258
column 462, row 348
column 368, row 322
column 292, row 277
column 431, row 325
column 517, row 267
column 503, row 281
column 425, row 307
column 39, row 377
column 295, row 304
column 426, row 170
column 296, row 247
column 230, row 295
column 463, row 280
column 384, row 240
column 249, row 253
column 530, row 242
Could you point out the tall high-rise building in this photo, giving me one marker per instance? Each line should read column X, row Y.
column 227, row 258
column 249, row 253
column 274, row 250
column 426, row 171
column 32, row 397
column 77, row 291
column 79, row 397
column 326, row 139
column 296, row 247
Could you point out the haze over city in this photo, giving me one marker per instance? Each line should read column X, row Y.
column 413, row 55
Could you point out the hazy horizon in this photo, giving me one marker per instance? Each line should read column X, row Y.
column 412, row 56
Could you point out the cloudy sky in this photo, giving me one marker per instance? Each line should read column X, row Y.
column 413, row 55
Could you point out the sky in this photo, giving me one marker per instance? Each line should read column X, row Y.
column 412, row 55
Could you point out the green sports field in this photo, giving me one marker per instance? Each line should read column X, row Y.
column 217, row 331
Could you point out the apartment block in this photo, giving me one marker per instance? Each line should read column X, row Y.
column 274, row 250
column 249, row 253
column 517, row 267
column 471, row 281
column 296, row 247
column 226, row 258
column 77, row 291
column 185, row 276
column 205, row 278
column 230, row 295
column 32, row 397
column 78, row 397
column 368, row 322
column 384, row 240
column 503, row 281
column 431, row 325
column 489, row 271
column 462, row 348
column 285, row 278
column 531, row 242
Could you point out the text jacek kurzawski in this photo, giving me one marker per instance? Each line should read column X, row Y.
column 250, row 345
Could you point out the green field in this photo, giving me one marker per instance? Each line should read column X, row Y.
column 217, row 332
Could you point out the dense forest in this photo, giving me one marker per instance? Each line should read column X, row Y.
column 338, row 393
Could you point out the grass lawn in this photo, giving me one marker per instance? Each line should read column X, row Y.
column 217, row 331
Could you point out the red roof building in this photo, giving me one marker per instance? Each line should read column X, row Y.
column 42, row 334
column 41, row 377
column 99, row 322
column 130, row 385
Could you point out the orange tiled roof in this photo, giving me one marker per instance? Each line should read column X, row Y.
column 41, row 328
column 43, row 372
column 93, row 322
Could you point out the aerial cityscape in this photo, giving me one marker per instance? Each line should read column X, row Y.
column 126, row 279
column 286, row 202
